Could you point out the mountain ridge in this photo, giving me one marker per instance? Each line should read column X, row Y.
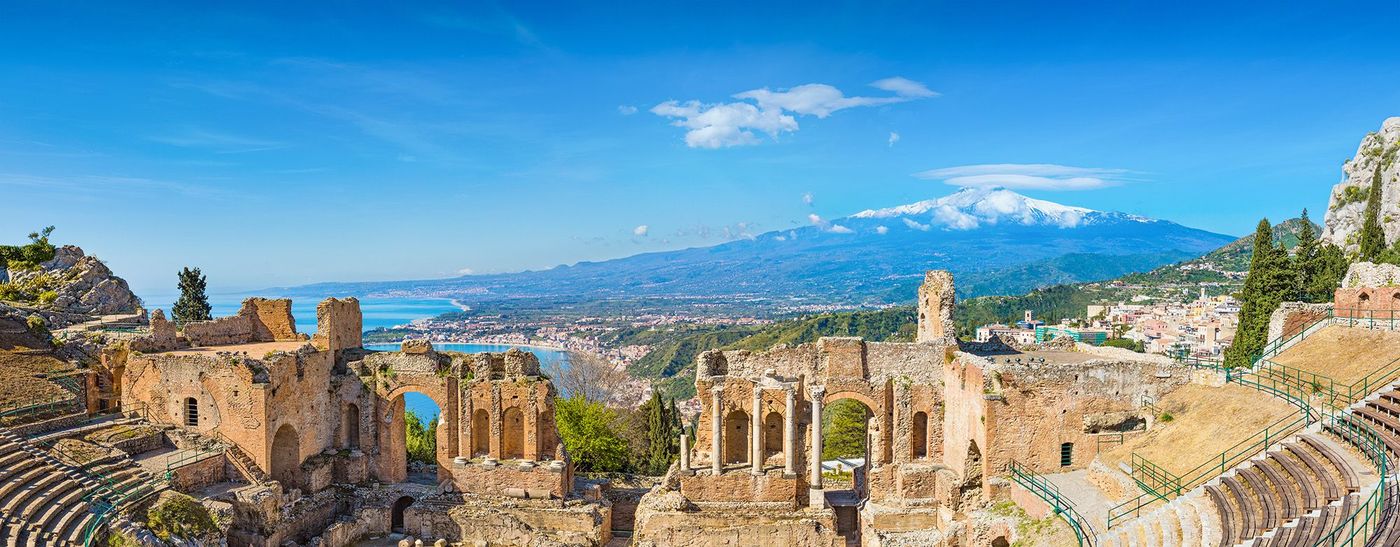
column 874, row 257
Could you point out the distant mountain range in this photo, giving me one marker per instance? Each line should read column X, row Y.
column 995, row 241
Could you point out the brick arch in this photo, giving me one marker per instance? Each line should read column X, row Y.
column 389, row 423
column 879, row 439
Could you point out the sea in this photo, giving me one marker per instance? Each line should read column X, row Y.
column 378, row 312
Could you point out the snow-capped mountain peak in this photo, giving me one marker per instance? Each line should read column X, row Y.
column 970, row 208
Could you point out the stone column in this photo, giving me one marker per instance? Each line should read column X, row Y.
column 716, row 430
column 685, row 450
column 756, row 433
column 816, row 462
column 790, row 435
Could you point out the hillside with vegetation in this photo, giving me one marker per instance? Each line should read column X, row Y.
column 1222, row 271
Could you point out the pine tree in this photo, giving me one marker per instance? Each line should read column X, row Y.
column 1268, row 282
column 193, row 304
column 1372, row 236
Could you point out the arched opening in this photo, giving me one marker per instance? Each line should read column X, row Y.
column 396, row 514
column 191, row 412
column 286, row 457
column 772, row 435
column 1001, row 541
column 481, row 433
column 414, row 429
column 919, row 437
column 512, row 434
column 736, row 437
column 1363, row 298
column 545, row 434
column 351, row 426
column 845, row 450
column 970, row 491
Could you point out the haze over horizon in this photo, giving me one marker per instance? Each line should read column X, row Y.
column 276, row 145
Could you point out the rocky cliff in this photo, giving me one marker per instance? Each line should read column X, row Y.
column 1346, row 209
column 74, row 283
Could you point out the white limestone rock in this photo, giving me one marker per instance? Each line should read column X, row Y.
column 1346, row 208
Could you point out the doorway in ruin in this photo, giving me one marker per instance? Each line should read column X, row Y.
column 481, row 433
column 845, row 455
column 396, row 514
column 918, row 441
column 773, row 425
column 285, row 462
column 350, row 426
column 512, row 434
column 416, row 432
column 736, row 437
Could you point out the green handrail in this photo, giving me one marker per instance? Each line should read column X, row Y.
column 1216, row 465
column 1357, row 527
column 1050, row 494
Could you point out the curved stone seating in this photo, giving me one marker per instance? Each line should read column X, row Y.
column 1229, row 516
column 1268, row 516
column 1288, row 493
column 1329, row 489
column 43, row 501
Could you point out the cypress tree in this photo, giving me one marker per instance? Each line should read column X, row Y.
column 1331, row 267
column 1305, row 259
column 193, row 304
column 1264, row 287
column 663, row 430
column 1372, row 236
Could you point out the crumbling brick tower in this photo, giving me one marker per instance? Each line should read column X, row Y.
column 936, row 309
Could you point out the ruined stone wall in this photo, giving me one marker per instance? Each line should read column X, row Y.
column 667, row 519
column 519, row 479
column 163, row 336
column 224, row 331
column 298, row 396
column 339, row 324
column 259, row 320
column 1291, row 317
column 1032, row 409
column 271, row 319
column 936, row 309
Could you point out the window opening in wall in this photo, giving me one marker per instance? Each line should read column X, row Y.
column 191, row 412
column 1066, row 454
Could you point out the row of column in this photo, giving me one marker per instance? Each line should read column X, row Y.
column 756, row 434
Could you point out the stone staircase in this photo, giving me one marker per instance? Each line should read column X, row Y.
column 1290, row 495
column 44, row 501
column 245, row 464
column 1381, row 411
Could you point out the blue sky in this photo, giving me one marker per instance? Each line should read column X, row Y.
column 277, row 144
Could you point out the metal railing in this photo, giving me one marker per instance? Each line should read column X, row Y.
column 1170, row 485
column 1050, row 494
column 1356, row 528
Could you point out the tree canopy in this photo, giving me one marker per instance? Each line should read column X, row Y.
column 193, row 304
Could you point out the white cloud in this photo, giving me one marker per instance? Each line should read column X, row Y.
column 894, row 138
column 951, row 217
column 1030, row 176
column 807, row 198
column 882, row 230
column 839, row 229
column 466, row 271
column 640, row 231
column 718, row 125
column 722, row 125
column 626, row 109
column 916, row 225
column 904, row 87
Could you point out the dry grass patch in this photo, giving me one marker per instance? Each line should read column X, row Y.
column 1344, row 354
column 1205, row 422
column 18, row 384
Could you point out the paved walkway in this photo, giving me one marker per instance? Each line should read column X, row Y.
column 1087, row 498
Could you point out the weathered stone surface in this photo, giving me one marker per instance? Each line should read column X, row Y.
column 1375, row 160
column 83, row 283
column 417, row 347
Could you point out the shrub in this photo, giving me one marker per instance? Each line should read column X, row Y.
column 48, row 297
column 180, row 516
column 1166, row 417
